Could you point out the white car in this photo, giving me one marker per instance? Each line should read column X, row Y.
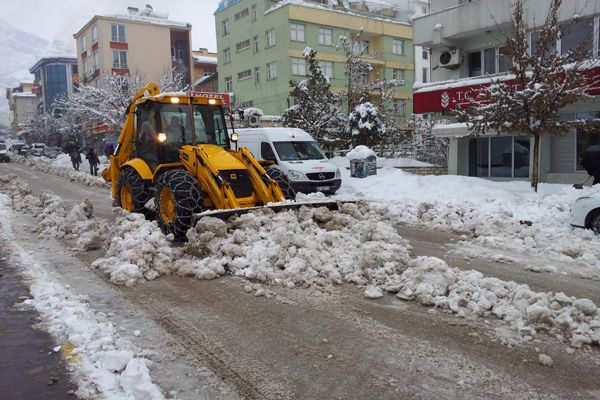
column 37, row 149
column 585, row 212
column 296, row 155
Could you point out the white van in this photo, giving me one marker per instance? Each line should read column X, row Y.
column 37, row 149
column 296, row 154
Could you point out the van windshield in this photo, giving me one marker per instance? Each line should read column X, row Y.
column 291, row 151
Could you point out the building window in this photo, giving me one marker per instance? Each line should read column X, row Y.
column 270, row 38
column 325, row 36
column 96, row 61
column 226, row 55
column 242, row 45
column 298, row 66
column 425, row 54
column 255, row 43
column 119, row 59
column 576, row 33
column 225, row 27
column 254, row 15
column 398, row 47
column 257, row 75
column 327, row 68
column 488, row 61
column 83, row 44
column 297, row 32
column 117, row 33
column 241, row 14
column 244, row 75
column 94, row 34
column 425, row 72
column 271, row 71
column 399, row 107
column 228, row 84
column 500, row 157
column 398, row 75
column 586, row 141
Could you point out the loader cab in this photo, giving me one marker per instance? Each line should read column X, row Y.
column 162, row 128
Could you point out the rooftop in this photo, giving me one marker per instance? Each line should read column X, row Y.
column 52, row 60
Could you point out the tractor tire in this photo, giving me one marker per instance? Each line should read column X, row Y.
column 283, row 181
column 178, row 198
column 133, row 192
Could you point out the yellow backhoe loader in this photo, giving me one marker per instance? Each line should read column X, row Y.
column 175, row 149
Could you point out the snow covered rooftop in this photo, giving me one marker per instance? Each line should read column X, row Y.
column 206, row 59
column 24, row 94
column 150, row 20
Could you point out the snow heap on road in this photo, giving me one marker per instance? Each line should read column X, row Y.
column 311, row 246
column 20, row 194
column 430, row 281
column 137, row 251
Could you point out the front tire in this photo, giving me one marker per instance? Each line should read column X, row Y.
column 283, row 181
column 133, row 192
column 595, row 223
column 178, row 197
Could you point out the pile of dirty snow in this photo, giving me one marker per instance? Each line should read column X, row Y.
column 310, row 246
column 430, row 281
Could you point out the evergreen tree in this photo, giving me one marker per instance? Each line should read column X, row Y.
column 365, row 126
column 315, row 108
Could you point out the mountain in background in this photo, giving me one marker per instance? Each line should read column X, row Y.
column 19, row 51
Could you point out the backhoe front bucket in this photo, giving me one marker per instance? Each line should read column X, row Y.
column 224, row 214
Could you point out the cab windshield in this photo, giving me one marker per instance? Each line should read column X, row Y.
column 293, row 151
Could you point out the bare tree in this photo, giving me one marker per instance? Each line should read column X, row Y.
column 357, row 70
column 543, row 82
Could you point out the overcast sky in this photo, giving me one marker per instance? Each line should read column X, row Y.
column 60, row 19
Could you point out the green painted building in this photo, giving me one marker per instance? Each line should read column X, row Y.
column 261, row 45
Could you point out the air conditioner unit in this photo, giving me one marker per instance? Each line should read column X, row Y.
column 254, row 121
column 450, row 58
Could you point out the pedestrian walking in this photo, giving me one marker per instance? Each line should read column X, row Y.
column 75, row 158
column 93, row 159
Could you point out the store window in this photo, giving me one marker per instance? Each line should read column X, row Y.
column 499, row 157
column 586, row 141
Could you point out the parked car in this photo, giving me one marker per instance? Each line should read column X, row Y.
column 585, row 212
column 37, row 149
column 51, row 152
column 296, row 154
column 4, row 153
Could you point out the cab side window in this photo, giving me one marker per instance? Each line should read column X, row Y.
column 266, row 151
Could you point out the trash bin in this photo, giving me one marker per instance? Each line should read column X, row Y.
column 358, row 168
column 371, row 164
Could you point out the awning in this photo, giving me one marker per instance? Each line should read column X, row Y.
column 456, row 130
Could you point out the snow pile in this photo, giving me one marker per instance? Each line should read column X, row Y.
column 61, row 166
column 498, row 216
column 19, row 193
column 137, row 251
column 360, row 153
column 430, row 281
column 311, row 246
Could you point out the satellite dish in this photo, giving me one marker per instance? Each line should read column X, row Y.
column 345, row 4
column 149, row 7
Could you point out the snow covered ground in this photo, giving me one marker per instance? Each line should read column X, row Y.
column 358, row 245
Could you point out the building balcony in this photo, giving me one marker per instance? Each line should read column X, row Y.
column 450, row 26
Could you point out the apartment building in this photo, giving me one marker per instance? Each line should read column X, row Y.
column 261, row 46
column 205, row 70
column 143, row 42
column 22, row 104
column 54, row 78
column 466, row 40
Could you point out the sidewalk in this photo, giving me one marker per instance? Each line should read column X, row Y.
column 29, row 369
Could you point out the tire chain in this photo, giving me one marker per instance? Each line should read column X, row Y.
column 188, row 200
column 139, row 190
column 283, row 181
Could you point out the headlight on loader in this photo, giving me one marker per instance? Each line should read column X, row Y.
column 162, row 137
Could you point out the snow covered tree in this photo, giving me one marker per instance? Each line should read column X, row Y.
column 365, row 126
column 542, row 82
column 315, row 108
column 358, row 86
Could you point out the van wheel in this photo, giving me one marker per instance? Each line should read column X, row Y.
column 178, row 197
column 133, row 192
column 283, row 181
column 595, row 223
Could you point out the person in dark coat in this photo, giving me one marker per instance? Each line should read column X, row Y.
column 590, row 160
column 93, row 159
column 75, row 157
